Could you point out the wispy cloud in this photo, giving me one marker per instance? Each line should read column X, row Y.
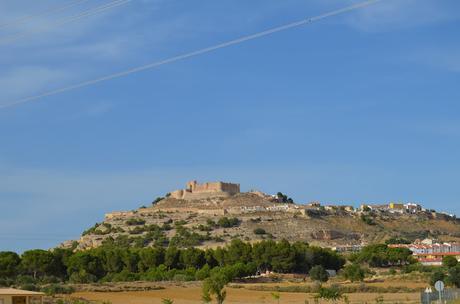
column 30, row 79
column 64, row 54
column 388, row 15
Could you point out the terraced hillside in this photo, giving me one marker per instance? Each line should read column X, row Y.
column 254, row 216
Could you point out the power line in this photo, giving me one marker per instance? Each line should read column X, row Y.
column 33, row 238
column 47, row 11
column 37, row 237
column 84, row 14
column 192, row 54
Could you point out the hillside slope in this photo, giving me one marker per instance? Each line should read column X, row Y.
column 214, row 221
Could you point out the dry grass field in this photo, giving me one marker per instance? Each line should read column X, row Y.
column 192, row 295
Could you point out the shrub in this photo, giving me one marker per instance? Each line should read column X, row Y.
column 55, row 289
column 203, row 273
column 180, row 223
column 259, row 231
column 82, row 277
column 29, row 287
column 332, row 293
column 124, row 276
column 155, row 201
column 137, row 230
column 226, row 222
column 397, row 240
column 318, row 273
column 354, row 273
column 368, row 220
column 135, row 222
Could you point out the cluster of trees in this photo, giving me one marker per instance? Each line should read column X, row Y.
column 381, row 255
column 216, row 267
column 223, row 222
column 113, row 263
column 283, row 198
column 449, row 273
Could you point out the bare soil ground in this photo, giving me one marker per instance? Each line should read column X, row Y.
column 192, row 295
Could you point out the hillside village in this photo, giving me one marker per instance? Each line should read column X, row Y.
column 212, row 214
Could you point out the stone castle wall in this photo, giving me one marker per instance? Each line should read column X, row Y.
column 194, row 190
column 230, row 188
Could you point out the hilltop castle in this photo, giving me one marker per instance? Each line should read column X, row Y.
column 194, row 190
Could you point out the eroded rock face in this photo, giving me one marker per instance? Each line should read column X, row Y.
column 327, row 235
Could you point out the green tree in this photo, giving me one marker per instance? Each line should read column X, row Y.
column 203, row 273
column 380, row 255
column 354, row 273
column 449, row 261
column 192, row 257
column 58, row 266
column 238, row 251
column 36, row 262
column 9, row 264
column 454, row 276
column 113, row 260
column 318, row 273
column 215, row 286
column 130, row 260
column 86, row 265
column 150, row 257
column 437, row 275
column 283, row 257
column 172, row 256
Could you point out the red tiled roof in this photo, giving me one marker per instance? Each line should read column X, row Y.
column 437, row 253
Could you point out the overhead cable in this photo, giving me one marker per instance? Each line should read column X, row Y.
column 191, row 54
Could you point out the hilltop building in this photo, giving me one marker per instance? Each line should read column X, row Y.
column 194, row 190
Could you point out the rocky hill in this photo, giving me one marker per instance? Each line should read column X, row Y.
column 216, row 219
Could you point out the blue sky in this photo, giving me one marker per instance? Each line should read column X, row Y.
column 362, row 107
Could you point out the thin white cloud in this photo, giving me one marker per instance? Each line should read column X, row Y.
column 388, row 15
column 29, row 79
column 74, row 51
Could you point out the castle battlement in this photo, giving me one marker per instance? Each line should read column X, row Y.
column 194, row 190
